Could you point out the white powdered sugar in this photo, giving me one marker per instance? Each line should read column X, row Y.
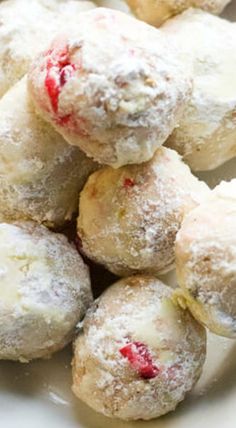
column 45, row 291
column 123, row 95
column 206, row 133
column 129, row 217
column 206, row 260
column 107, row 380
column 40, row 174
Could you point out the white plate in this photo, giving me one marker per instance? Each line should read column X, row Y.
column 39, row 394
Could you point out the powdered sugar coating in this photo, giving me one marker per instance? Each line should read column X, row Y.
column 156, row 12
column 129, row 217
column 40, row 174
column 206, row 134
column 137, row 310
column 110, row 91
column 114, row 4
column 26, row 27
column 45, row 290
column 206, row 260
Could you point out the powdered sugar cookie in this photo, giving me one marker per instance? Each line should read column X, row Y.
column 40, row 174
column 110, row 91
column 206, row 260
column 45, row 291
column 129, row 217
column 206, row 135
column 138, row 353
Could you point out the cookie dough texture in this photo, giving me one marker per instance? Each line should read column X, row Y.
column 129, row 216
column 44, row 291
column 138, row 353
column 206, row 135
column 206, row 260
column 40, row 174
column 114, row 87
column 25, row 29
column 155, row 12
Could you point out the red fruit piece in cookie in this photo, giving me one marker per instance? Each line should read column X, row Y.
column 59, row 69
column 140, row 359
column 129, row 182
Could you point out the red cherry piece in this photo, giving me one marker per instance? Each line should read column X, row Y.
column 59, row 70
column 140, row 359
column 129, row 182
column 53, row 90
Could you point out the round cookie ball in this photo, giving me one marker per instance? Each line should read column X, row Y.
column 40, row 174
column 206, row 260
column 26, row 29
column 206, row 135
column 129, row 217
column 44, row 291
column 109, row 90
column 139, row 353
column 155, row 12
